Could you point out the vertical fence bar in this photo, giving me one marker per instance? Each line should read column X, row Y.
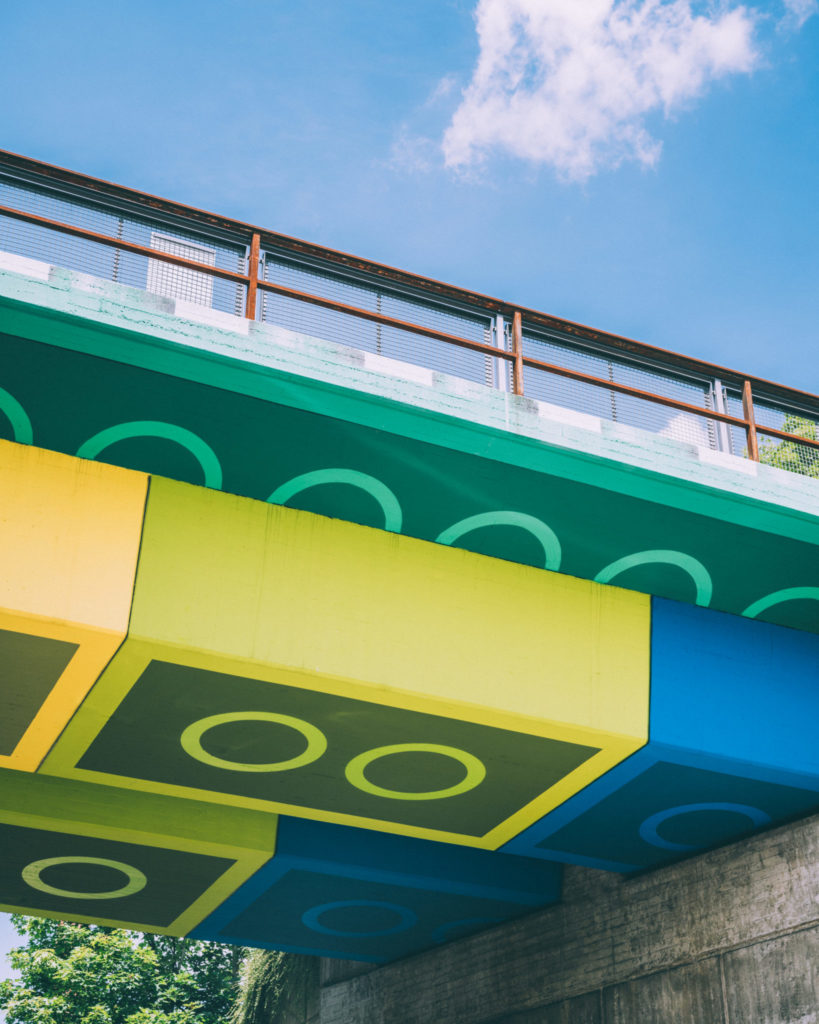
column 253, row 274
column 723, row 434
column 748, row 413
column 117, row 252
column 501, row 371
column 517, row 349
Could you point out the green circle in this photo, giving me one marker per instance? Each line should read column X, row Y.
column 371, row 485
column 191, row 740
column 199, row 449
column 475, row 771
column 136, row 879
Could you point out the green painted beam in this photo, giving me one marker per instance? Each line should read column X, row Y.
column 168, row 387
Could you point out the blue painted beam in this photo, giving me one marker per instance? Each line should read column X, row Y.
column 331, row 890
column 732, row 747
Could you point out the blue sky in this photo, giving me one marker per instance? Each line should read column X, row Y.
column 681, row 208
column 8, row 940
column 650, row 170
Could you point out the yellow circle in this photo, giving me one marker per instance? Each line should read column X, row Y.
column 136, row 879
column 191, row 740
column 475, row 771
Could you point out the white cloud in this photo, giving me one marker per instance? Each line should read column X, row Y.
column 447, row 84
column 413, row 154
column 798, row 12
column 569, row 83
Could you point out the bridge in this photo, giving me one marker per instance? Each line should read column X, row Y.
column 342, row 607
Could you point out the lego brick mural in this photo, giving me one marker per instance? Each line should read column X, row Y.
column 95, row 854
column 181, row 666
column 488, row 767
column 331, row 671
column 734, row 706
column 354, row 893
column 69, row 538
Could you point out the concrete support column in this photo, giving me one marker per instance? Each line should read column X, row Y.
column 729, row 937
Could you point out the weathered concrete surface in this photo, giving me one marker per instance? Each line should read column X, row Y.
column 685, row 995
column 582, row 1010
column 730, row 937
column 793, row 960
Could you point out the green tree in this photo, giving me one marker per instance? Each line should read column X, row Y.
column 278, row 988
column 85, row 974
column 790, row 455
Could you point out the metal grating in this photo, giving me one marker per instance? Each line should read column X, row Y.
column 348, row 329
column 613, row 405
column 790, row 455
column 112, row 264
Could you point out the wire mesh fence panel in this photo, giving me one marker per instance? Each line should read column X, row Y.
column 50, row 246
column 180, row 282
column 114, row 264
column 790, row 420
column 738, row 435
column 599, row 401
column 382, row 339
column 790, row 455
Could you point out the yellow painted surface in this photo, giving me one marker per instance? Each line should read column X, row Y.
column 80, row 809
column 363, row 609
column 69, row 540
column 238, row 586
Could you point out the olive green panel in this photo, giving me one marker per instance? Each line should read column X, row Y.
column 86, row 852
column 518, row 767
column 29, row 668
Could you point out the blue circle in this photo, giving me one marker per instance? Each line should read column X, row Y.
column 648, row 829
column 311, row 918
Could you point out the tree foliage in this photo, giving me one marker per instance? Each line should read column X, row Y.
column 791, row 455
column 277, row 988
column 85, row 974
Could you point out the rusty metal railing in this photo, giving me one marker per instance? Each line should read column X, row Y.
column 47, row 199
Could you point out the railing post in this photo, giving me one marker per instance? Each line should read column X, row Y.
column 750, row 425
column 723, row 434
column 517, row 349
column 253, row 274
column 499, row 369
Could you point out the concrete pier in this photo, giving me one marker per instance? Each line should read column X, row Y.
column 729, row 937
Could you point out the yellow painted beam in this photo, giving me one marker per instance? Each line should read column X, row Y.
column 126, row 859
column 69, row 539
column 284, row 661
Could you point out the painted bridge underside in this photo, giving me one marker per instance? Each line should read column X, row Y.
column 111, row 373
column 244, row 697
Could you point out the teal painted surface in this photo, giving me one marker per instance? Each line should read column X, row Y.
column 335, row 431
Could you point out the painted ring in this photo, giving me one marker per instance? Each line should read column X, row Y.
column 191, row 740
column 407, row 918
column 475, row 771
column 648, row 829
column 136, row 879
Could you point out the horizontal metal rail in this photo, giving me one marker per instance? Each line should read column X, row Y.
column 120, row 243
column 783, row 435
column 254, row 238
column 386, row 321
column 627, row 389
